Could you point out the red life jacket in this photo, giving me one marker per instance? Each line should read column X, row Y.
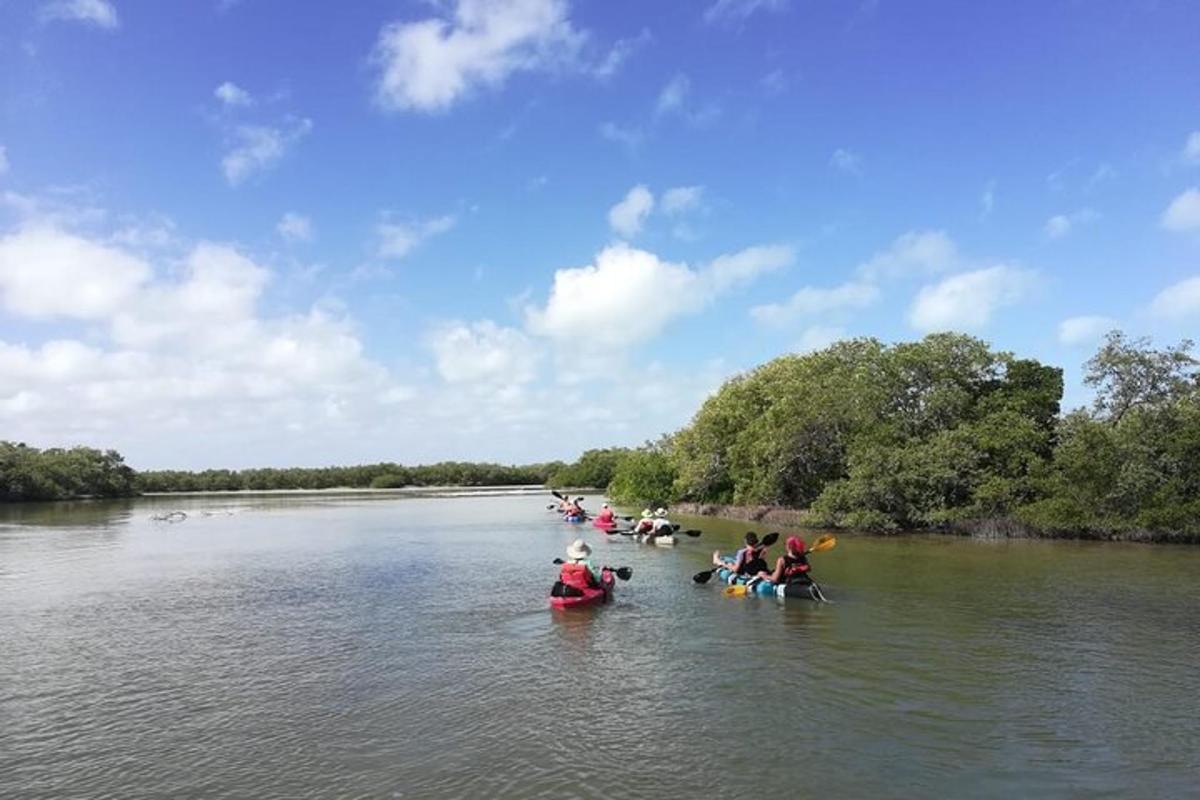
column 645, row 526
column 577, row 576
column 794, row 567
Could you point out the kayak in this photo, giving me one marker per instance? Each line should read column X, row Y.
column 660, row 541
column 607, row 527
column 782, row 591
column 574, row 518
column 590, row 597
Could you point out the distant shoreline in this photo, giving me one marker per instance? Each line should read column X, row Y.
column 992, row 528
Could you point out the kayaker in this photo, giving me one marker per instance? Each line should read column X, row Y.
column 748, row 560
column 605, row 517
column 660, row 526
column 791, row 567
column 646, row 523
column 576, row 510
column 577, row 573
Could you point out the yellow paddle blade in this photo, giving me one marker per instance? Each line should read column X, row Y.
column 823, row 543
column 735, row 591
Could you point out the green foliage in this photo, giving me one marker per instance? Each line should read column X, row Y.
column 595, row 468
column 643, row 477
column 1129, row 374
column 27, row 473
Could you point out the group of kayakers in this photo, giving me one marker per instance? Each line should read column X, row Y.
column 750, row 562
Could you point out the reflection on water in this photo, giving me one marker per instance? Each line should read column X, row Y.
column 289, row 646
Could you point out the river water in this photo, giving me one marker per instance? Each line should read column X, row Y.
column 301, row 646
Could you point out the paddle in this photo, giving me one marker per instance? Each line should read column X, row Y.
column 624, row 573
column 822, row 544
column 692, row 532
column 704, row 577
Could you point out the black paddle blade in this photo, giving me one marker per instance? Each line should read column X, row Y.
column 556, row 494
column 769, row 539
column 692, row 532
column 559, row 561
column 704, row 577
column 551, row 507
column 624, row 573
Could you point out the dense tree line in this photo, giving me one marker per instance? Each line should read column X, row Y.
column 940, row 431
column 27, row 473
column 378, row 476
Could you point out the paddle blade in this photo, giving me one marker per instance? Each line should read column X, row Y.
column 822, row 544
column 704, row 577
column 769, row 539
column 624, row 573
column 692, row 532
column 559, row 561
column 556, row 494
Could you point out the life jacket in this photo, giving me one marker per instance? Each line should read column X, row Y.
column 605, row 516
column 577, row 576
column 752, row 560
column 645, row 526
column 795, row 568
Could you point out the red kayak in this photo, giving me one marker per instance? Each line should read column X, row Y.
column 590, row 597
column 607, row 527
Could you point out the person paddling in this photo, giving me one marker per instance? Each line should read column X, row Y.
column 577, row 573
column 646, row 523
column 660, row 526
column 747, row 561
column 605, row 517
column 791, row 567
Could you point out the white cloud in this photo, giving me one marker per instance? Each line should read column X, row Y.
column 46, row 273
column 987, row 200
column 256, row 148
column 3, row 160
column 100, row 13
column 673, row 95
column 913, row 253
column 811, row 301
column 175, row 355
column 627, row 216
column 968, row 300
column 630, row 136
column 630, row 295
column 818, row 337
column 618, row 54
column 1191, row 148
column 1178, row 301
column 682, row 199
column 846, row 161
column 739, row 10
column 430, row 64
column 295, row 227
column 1184, row 212
column 483, row 353
column 1060, row 225
column 1084, row 330
column 232, row 95
column 398, row 239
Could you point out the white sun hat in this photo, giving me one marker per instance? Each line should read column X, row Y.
column 662, row 512
column 578, row 550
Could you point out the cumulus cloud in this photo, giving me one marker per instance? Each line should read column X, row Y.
column 913, row 253
column 628, row 216
column 46, row 274
column 257, row 148
column 174, row 349
column 232, row 95
column 968, row 301
column 430, row 64
column 483, row 353
column 1178, row 301
column 295, row 227
column 733, row 11
column 630, row 295
column 811, row 301
column 1084, row 330
column 682, row 199
column 397, row 239
column 1184, row 212
column 99, row 13
column 846, row 161
column 1060, row 225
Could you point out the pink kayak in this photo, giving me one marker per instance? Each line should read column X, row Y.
column 590, row 597
column 607, row 527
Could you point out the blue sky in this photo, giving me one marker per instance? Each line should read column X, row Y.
column 250, row 232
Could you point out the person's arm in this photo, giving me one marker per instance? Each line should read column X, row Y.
column 777, row 575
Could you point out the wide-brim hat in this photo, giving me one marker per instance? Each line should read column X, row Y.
column 661, row 512
column 578, row 550
column 646, row 514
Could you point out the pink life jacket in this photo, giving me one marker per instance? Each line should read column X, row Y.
column 577, row 576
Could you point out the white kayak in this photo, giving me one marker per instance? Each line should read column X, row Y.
column 661, row 541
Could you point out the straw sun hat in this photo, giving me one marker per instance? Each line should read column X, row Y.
column 578, row 550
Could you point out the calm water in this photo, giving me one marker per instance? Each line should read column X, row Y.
column 403, row 648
